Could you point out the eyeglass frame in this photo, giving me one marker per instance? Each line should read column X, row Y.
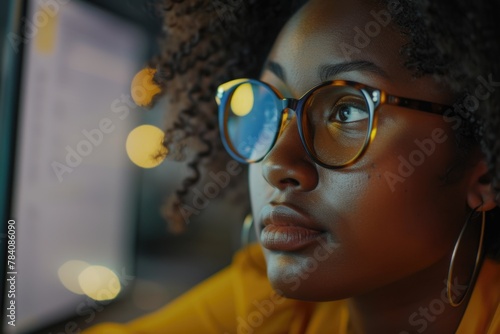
column 374, row 96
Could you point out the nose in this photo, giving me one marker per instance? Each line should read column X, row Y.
column 287, row 165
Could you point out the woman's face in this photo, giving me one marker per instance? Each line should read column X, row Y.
column 332, row 234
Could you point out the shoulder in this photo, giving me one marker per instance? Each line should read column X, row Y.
column 483, row 312
column 239, row 298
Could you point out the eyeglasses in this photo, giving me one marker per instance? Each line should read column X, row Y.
column 337, row 120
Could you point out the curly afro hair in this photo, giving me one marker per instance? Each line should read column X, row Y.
column 205, row 43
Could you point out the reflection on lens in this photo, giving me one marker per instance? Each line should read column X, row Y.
column 336, row 124
column 242, row 100
column 225, row 87
column 252, row 119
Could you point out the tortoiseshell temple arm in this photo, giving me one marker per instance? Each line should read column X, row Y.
column 434, row 108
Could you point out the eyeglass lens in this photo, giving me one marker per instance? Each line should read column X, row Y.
column 335, row 122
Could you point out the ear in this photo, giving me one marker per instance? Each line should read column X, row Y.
column 480, row 190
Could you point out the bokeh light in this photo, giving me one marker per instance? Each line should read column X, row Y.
column 99, row 283
column 46, row 21
column 224, row 87
column 145, row 146
column 68, row 274
column 143, row 88
column 243, row 100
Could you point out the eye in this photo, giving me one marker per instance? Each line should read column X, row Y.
column 347, row 112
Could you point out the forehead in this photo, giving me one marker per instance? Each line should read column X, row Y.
column 328, row 32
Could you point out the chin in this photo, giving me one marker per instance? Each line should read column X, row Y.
column 293, row 277
column 308, row 292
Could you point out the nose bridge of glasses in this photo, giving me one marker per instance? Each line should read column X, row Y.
column 289, row 103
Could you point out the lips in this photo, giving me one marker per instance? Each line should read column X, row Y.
column 287, row 229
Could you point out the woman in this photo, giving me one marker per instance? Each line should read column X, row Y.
column 374, row 185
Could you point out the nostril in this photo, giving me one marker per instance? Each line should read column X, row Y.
column 290, row 181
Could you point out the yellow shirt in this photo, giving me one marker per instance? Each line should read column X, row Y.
column 239, row 299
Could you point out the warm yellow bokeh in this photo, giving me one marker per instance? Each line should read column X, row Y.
column 224, row 87
column 68, row 274
column 99, row 283
column 143, row 88
column 46, row 24
column 145, row 146
column 242, row 100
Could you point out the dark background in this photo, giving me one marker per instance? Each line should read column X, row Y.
column 166, row 265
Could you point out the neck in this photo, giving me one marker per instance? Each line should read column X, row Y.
column 417, row 303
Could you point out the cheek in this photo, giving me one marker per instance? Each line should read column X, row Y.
column 390, row 231
column 260, row 190
column 398, row 194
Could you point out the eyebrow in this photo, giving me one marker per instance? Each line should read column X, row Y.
column 277, row 69
column 331, row 70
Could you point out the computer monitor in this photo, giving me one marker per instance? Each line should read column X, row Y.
column 72, row 191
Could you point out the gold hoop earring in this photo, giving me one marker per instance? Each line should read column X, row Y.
column 453, row 256
column 246, row 229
